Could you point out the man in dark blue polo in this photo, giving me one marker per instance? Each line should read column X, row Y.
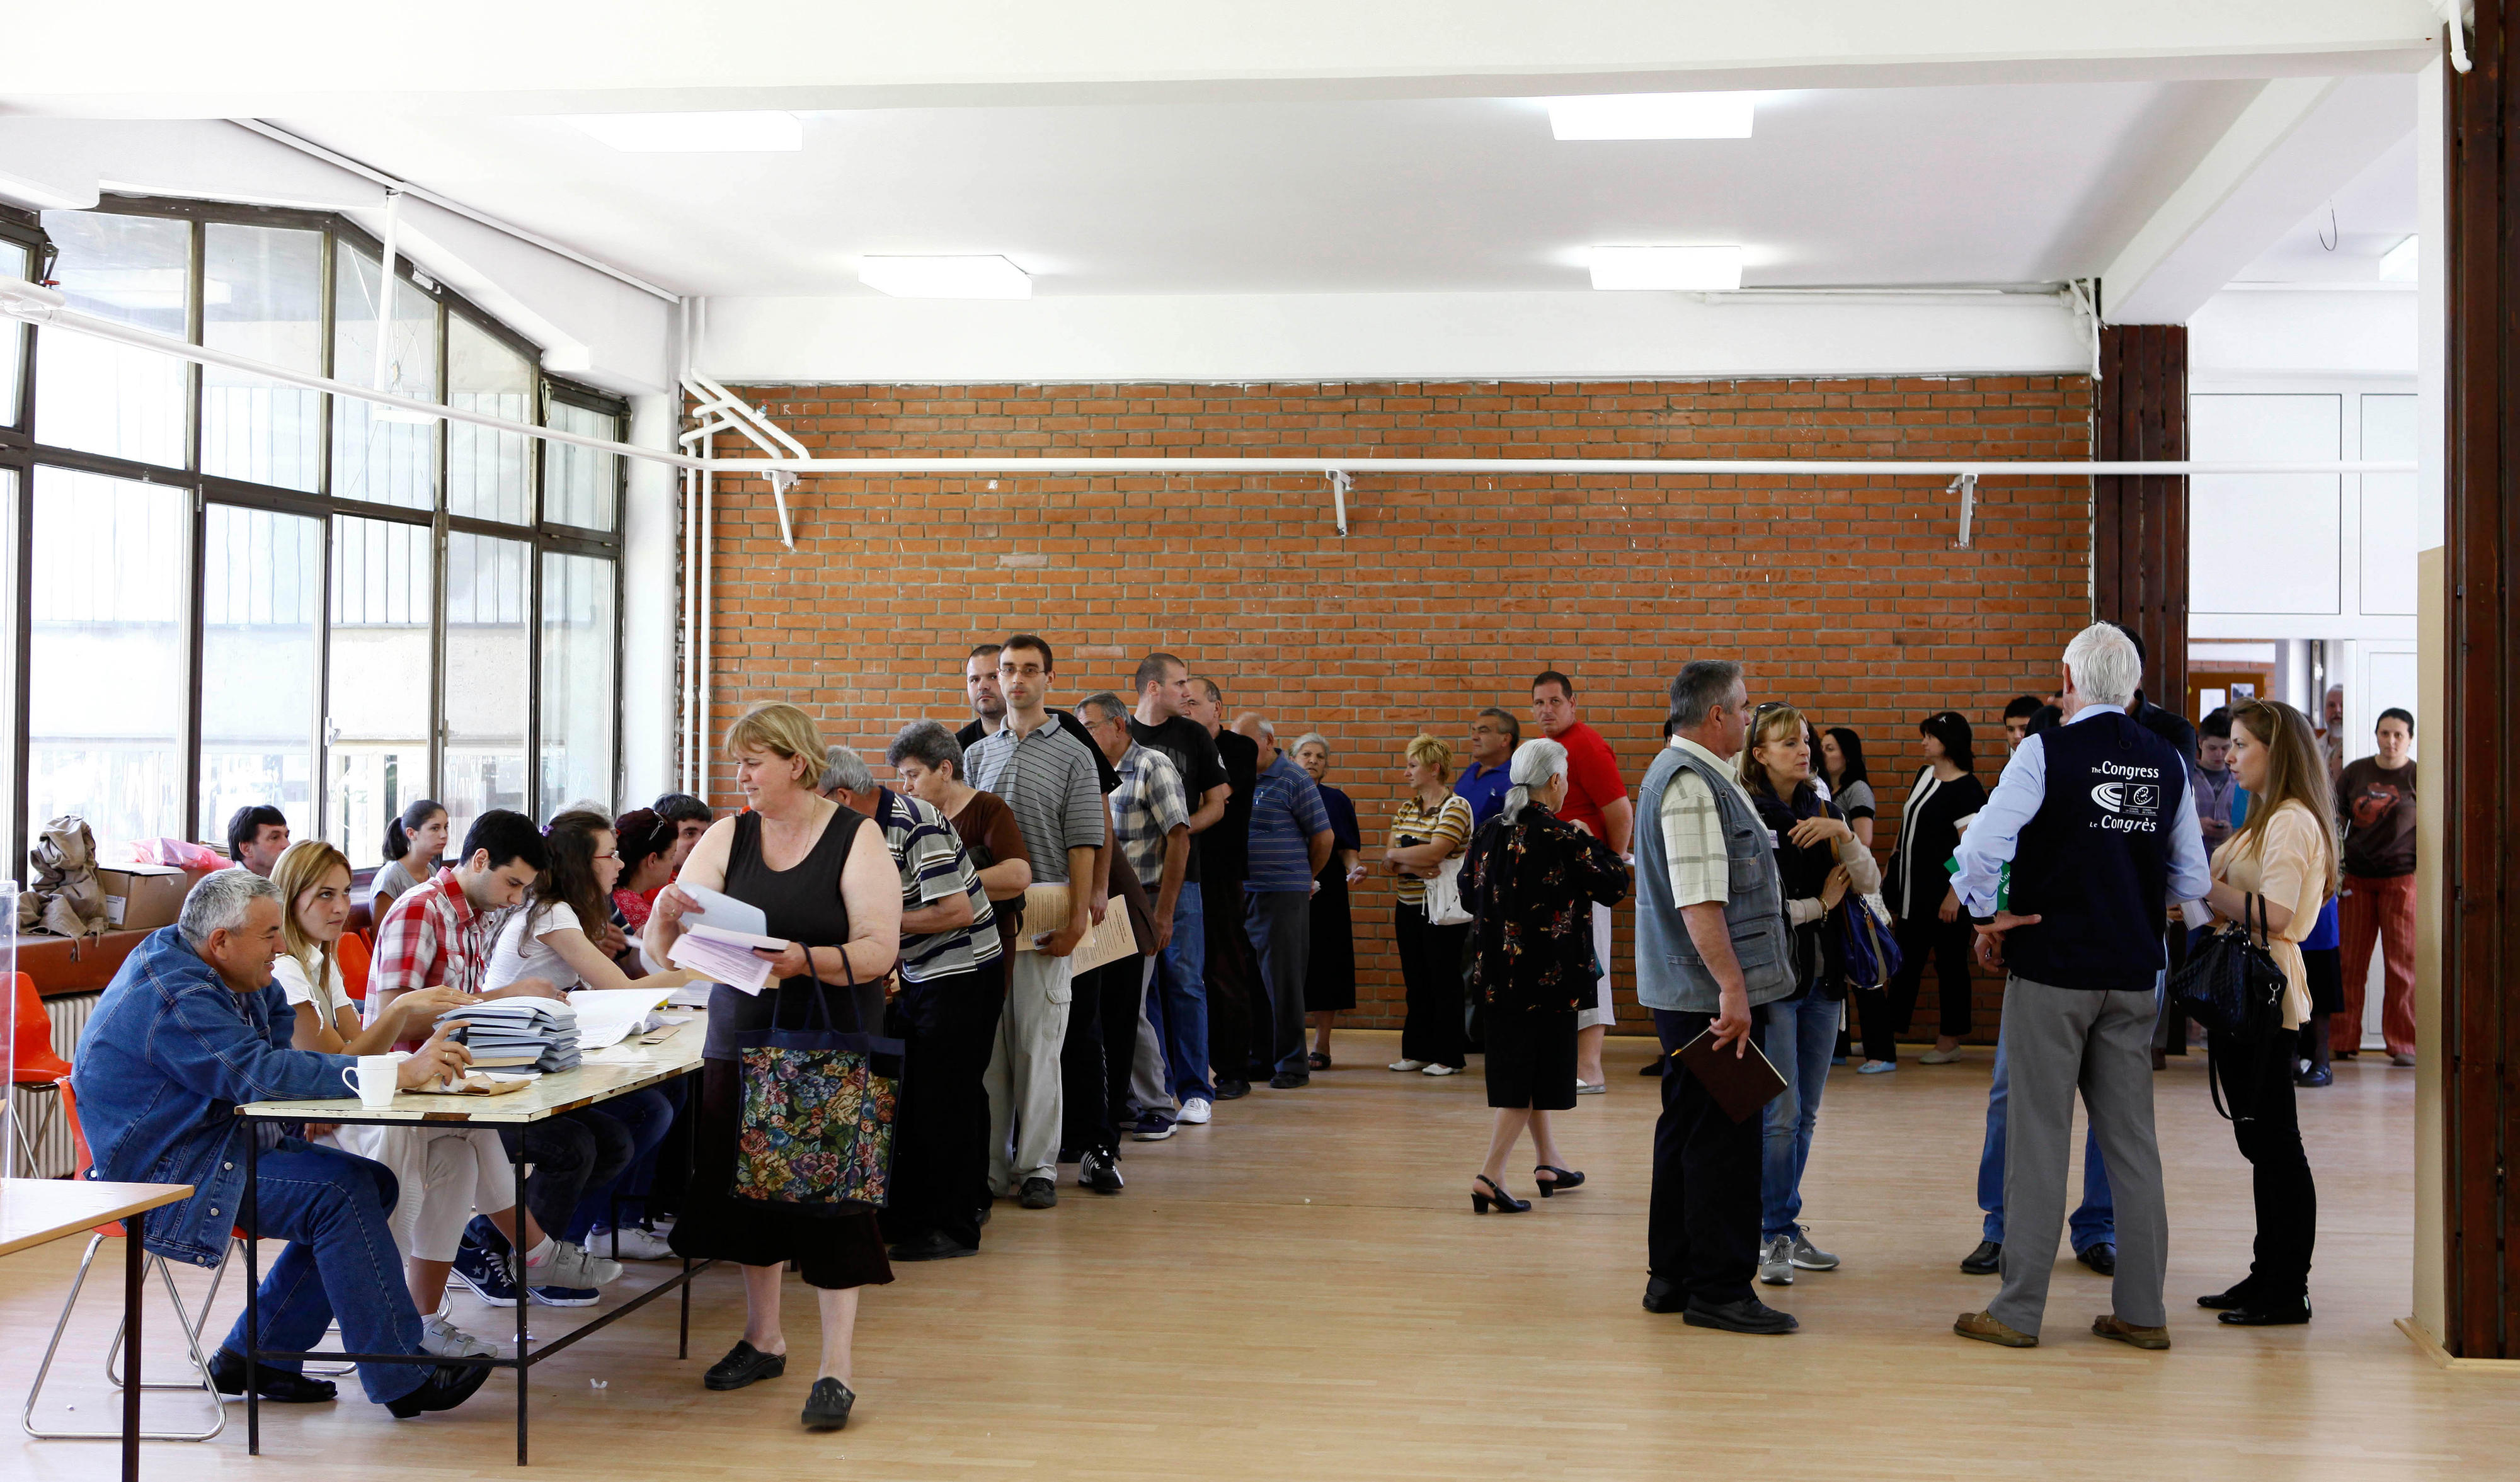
column 1494, row 733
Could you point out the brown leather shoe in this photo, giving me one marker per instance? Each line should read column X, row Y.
column 1983, row 1327
column 2107, row 1325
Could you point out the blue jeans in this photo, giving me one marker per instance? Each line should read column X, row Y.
column 646, row 1116
column 339, row 1262
column 1800, row 1036
column 2095, row 1223
column 1178, row 1006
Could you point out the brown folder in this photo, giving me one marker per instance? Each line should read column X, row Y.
column 1740, row 1085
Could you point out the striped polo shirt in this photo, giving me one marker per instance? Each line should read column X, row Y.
column 933, row 868
column 1047, row 780
column 1286, row 813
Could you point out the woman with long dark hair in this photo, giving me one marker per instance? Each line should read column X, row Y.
column 1818, row 860
column 1929, row 920
column 646, row 843
column 415, row 838
column 1840, row 763
column 2285, row 855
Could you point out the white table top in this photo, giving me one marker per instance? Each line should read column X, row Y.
column 33, row 1211
column 614, row 1071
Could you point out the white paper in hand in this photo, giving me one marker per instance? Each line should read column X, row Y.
column 726, row 957
column 722, row 912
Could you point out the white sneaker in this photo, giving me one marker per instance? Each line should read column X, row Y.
column 1777, row 1261
column 1442, row 1070
column 1194, row 1112
column 1405, row 1066
column 448, row 1341
column 573, row 1266
column 636, row 1245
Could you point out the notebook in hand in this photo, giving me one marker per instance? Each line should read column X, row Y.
column 1740, row 1085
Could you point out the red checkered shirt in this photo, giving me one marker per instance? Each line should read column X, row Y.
column 431, row 938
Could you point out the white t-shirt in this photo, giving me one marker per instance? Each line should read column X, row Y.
column 294, row 981
column 518, row 954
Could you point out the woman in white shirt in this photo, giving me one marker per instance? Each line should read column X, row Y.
column 553, row 936
column 445, row 1174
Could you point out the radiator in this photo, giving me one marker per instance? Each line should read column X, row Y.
column 40, row 1112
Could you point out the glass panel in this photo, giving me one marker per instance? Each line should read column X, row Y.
column 577, row 681
column 262, row 297
column 263, row 584
column 102, row 397
column 106, row 675
column 489, row 474
column 581, row 485
column 390, row 457
column 377, row 726
column 486, row 669
column 17, row 262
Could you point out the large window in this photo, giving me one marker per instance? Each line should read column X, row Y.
column 243, row 591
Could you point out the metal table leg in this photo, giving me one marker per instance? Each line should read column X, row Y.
column 251, row 1217
column 525, row 1296
column 135, row 1262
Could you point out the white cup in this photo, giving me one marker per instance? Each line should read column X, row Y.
column 372, row 1078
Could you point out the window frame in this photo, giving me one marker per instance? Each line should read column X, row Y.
column 21, row 454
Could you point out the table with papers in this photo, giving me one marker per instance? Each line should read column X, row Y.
column 638, row 1061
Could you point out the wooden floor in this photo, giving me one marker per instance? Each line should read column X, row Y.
column 1301, row 1291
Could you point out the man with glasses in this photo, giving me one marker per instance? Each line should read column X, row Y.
column 1046, row 778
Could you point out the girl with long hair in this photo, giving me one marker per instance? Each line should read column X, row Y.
column 415, row 841
column 1929, row 912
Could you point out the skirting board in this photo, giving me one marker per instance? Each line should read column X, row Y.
column 2424, row 1344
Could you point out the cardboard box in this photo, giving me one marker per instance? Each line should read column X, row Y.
column 142, row 897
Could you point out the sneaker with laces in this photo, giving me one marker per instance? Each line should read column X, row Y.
column 445, row 1340
column 573, row 1265
column 1810, row 1257
column 1196, row 1112
column 483, row 1274
column 634, row 1245
column 1777, row 1261
column 566, row 1296
column 1153, row 1127
column 1099, row 1172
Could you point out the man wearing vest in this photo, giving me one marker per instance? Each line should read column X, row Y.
column 1711, row 949
column 2095, row 821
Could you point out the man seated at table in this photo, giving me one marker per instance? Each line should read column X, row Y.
column 191, row 1027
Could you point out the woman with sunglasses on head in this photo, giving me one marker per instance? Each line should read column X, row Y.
column 1943, row 798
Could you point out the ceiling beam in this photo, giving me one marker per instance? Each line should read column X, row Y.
column 2295, row 145
column 489, row 57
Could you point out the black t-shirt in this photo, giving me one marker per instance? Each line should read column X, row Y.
column 970, row 735
column 1186, row 744
column 1226, row 847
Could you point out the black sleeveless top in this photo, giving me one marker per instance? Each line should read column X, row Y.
column 804, row 905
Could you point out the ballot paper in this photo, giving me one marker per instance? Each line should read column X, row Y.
column 726, row 957
column 607, row 1015
column 1045, row 910
column 518, row 1032
column 722, row 912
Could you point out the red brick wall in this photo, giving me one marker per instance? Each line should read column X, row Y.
column 1844, row 595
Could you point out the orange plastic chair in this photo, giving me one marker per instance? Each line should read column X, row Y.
column 356, row 950
column 39, row 1066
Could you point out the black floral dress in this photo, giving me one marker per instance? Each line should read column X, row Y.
column 1533, row 884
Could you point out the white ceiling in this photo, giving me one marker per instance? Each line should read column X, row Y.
column 2343, row 240
column 1869, row 186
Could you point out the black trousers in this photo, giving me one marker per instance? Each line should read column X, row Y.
column 940, row 1130
column 571, row 1153
column 1702, row 1222
column 1230, row 973
column 1948, row 944
column 1431, row 965
column 2257, row 1088
column 1101, row 1031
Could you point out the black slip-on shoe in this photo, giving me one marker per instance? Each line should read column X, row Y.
column 744, row 1365
column 2257, row 1313
column 1663, row 1296
column 1749, row 1315
column 1985, row 1261
column 287, row 1386
column 828, row 1406
column 2102, row 1258
column 934, row 1245
column 447, row 1386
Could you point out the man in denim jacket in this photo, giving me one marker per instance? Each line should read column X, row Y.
column 191, row 1027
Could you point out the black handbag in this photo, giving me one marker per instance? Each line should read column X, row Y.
column 2233, row 986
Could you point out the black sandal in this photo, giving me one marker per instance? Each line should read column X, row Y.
column 1504, row 1202
column 1560, row 1180
column 1319, row 1059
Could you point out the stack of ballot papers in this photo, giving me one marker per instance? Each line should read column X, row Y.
column 608, row 1015
column 718, row 936
column 517, row 1033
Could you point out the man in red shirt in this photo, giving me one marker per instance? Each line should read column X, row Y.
column 1596, row 801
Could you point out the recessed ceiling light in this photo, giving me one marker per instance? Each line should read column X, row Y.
column 2397, row 264
column 695, row 133
column 1687, row 268
column 1652, row 115
column 973, row 277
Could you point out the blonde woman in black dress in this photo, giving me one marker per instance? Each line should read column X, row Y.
column 822, row 875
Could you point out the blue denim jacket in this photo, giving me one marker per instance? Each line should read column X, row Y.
column 165, row 1060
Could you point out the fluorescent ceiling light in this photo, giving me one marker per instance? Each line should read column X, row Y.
column 695, row 133
column 1652, row 115
column 1687, row 268
column 976, row 277
column 2397, row 264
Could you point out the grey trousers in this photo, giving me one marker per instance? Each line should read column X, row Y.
column 2056, row 1039
column 1147, row 1073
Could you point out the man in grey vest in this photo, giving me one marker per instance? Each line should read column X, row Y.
column 1711, row 949
column 2094, row 822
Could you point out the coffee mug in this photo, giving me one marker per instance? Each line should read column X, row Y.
column 372, row 1078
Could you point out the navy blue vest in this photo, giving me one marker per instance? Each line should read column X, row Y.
column 2093, row 864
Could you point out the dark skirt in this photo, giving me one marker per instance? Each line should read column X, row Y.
column 1531, row 1059
column 1329, row 978
column 833, row 1251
